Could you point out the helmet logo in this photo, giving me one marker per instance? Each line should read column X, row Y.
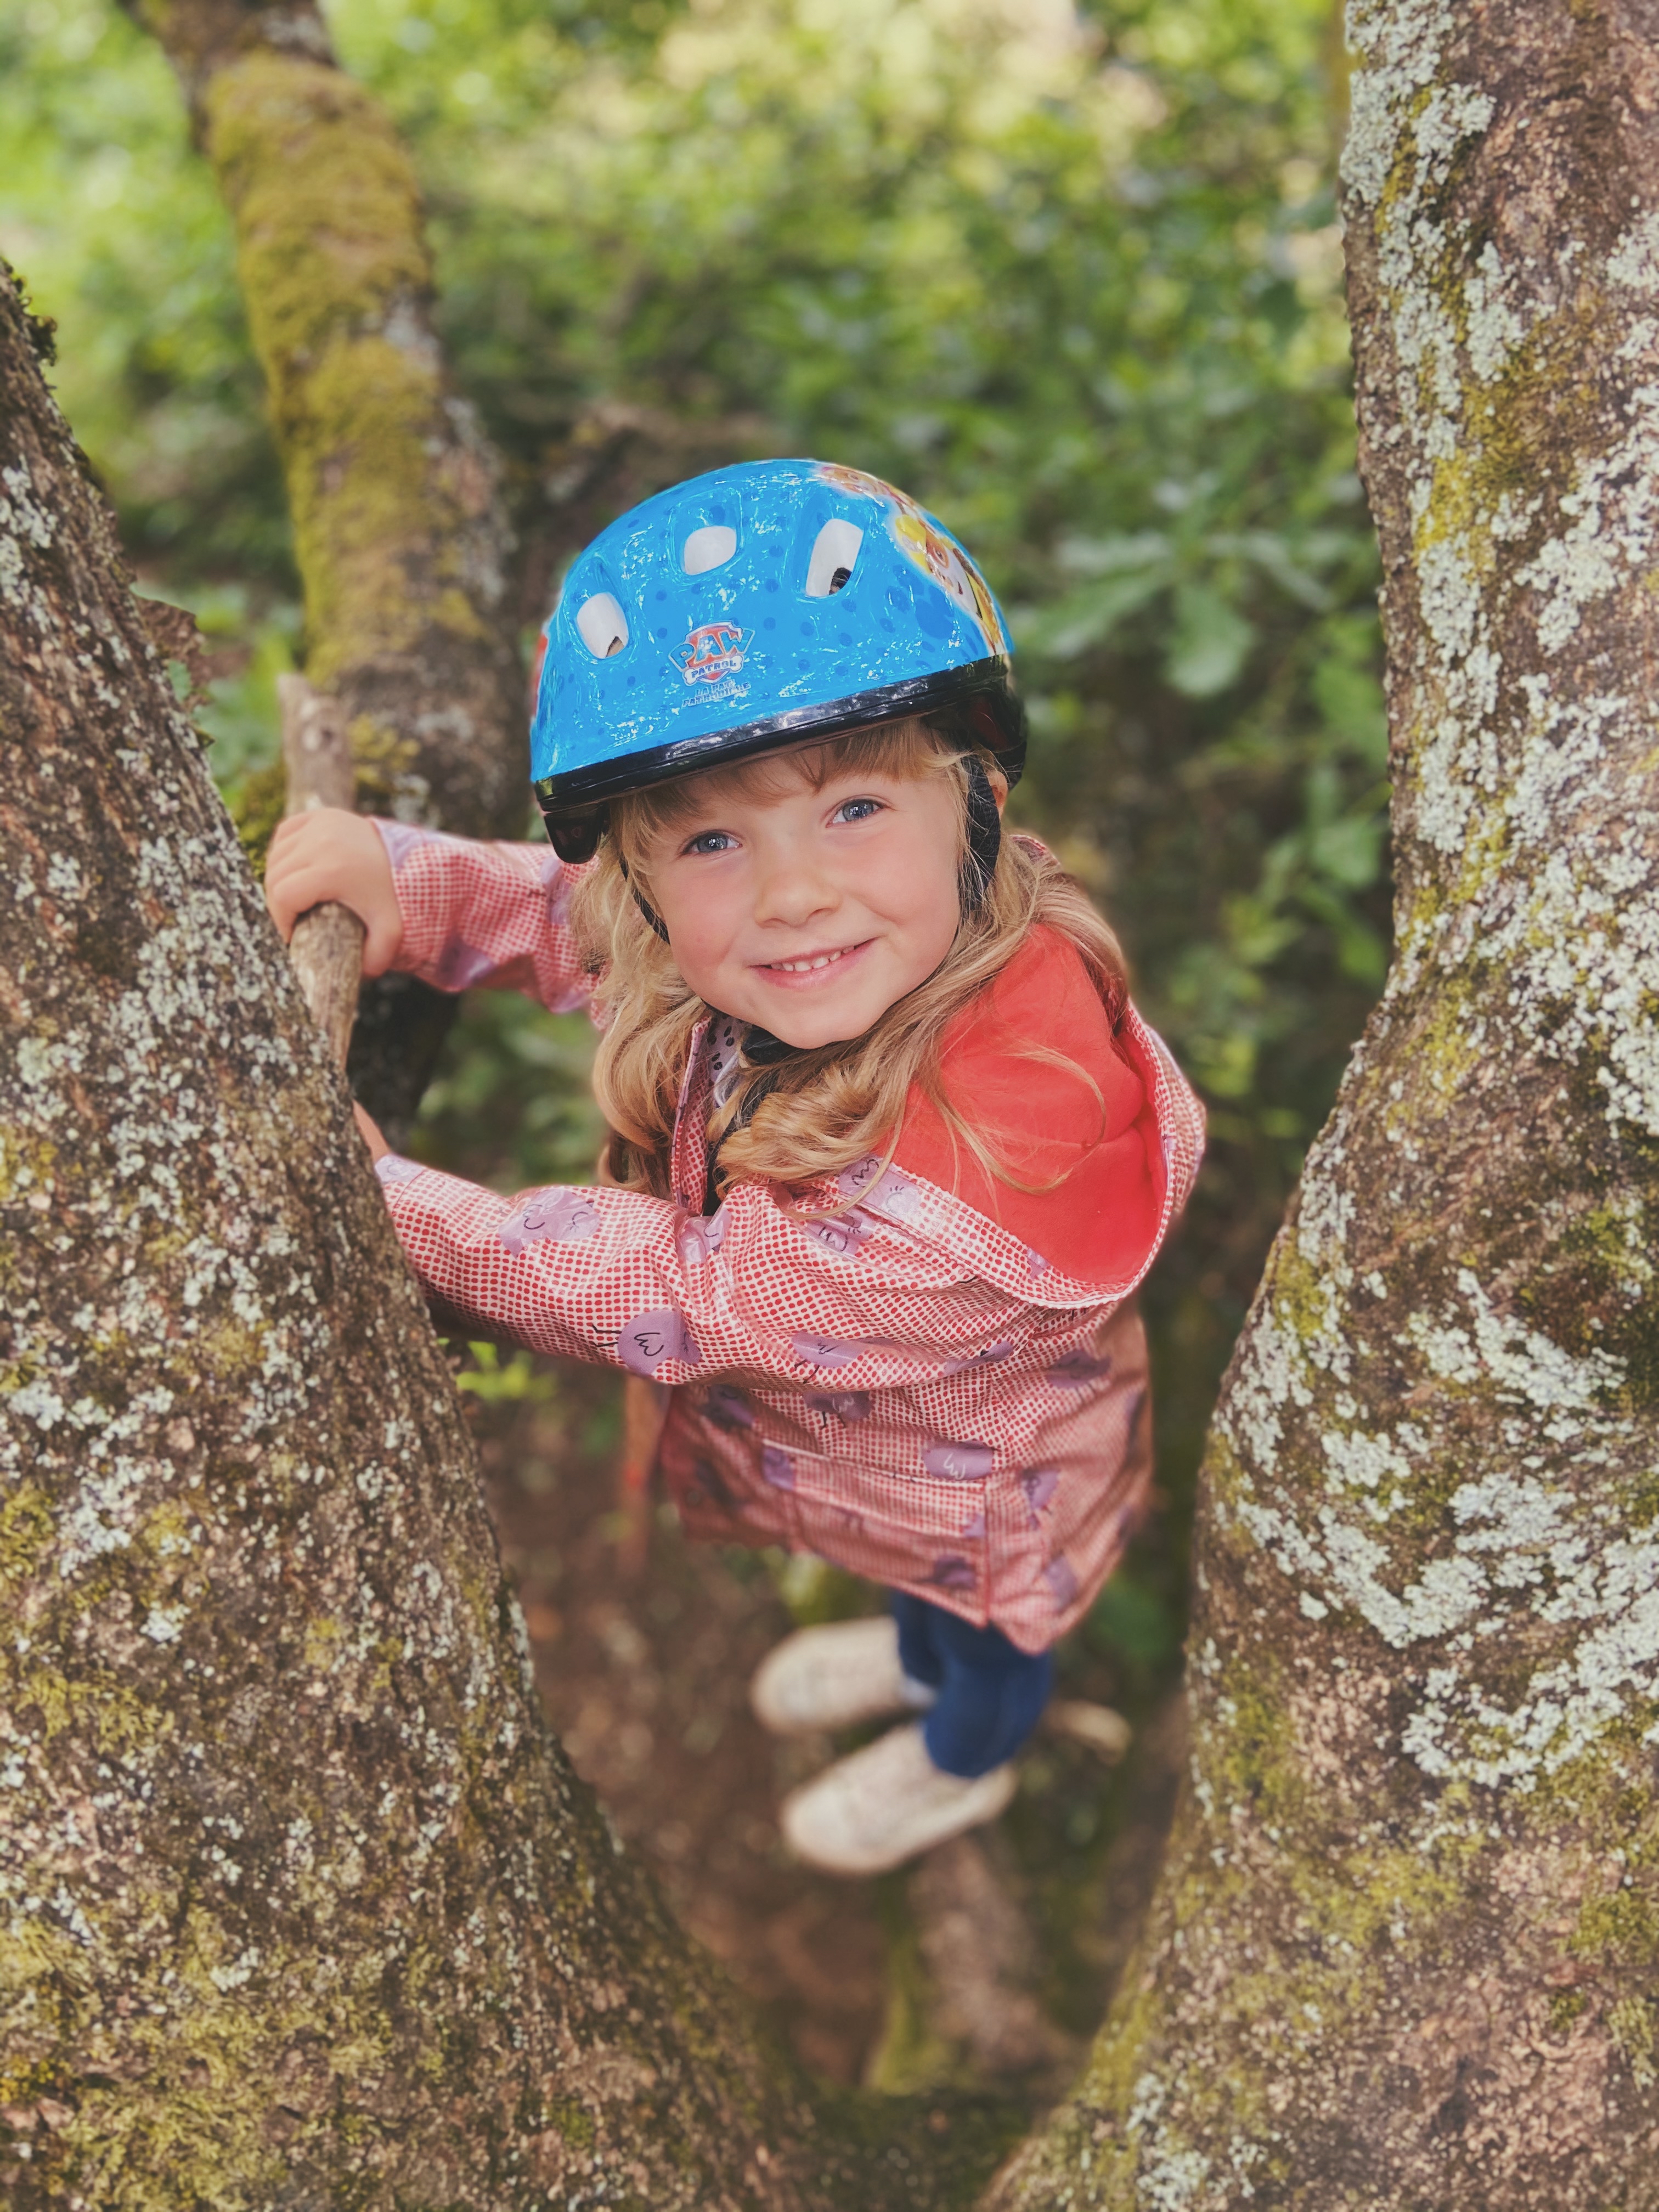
column 942, row 562
column 921, row 540
column 712, row 651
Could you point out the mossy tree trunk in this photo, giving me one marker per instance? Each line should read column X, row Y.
column 1406, row 1953
column 300, row 1903
column 400, row 536
column 400, row 532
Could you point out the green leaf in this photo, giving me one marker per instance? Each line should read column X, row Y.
column 1087, row 619
column 1210, row 645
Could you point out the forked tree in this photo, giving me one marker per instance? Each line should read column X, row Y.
column 302, row 1905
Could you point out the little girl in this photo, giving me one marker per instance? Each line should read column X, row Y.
column 890, row 1148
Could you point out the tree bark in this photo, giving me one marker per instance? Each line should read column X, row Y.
column 1406, row 1950
column 301, row 1903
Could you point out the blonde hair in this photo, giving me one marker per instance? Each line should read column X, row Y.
column 822, row 1109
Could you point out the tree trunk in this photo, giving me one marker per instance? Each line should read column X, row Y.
column 400, row 533
column 301, row 1904
column 1405, row 1951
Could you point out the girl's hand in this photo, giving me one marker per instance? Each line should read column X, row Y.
column 378, row 1146
column 330, row 854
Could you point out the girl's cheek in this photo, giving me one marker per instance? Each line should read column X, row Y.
column 696, row 955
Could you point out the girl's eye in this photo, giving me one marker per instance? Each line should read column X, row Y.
column 856, row 810
column 709, row 841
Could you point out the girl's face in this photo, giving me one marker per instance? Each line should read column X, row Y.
column 811, row 912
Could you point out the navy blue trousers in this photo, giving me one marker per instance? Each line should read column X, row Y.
column 991, row 1694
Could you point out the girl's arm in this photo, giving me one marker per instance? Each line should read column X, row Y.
column 620, row 1277
column 450, row 911
column 495, row 914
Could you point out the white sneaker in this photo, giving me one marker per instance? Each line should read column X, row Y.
column 885, row 1805
column 834, row 1677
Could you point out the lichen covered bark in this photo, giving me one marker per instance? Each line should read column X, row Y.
column 300, row 1903
column 1405, row 1953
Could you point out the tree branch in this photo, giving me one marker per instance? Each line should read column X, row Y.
column 400, row 532
column 327, row 945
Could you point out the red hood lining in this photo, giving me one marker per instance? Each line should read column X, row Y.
column 1042, row 1121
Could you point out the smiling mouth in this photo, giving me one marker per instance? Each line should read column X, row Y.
column 810, row 964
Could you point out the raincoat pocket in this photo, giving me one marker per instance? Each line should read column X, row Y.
column 918, row 1531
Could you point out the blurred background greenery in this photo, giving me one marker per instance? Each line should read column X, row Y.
column 1070, row 276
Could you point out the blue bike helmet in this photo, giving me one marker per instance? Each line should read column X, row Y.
column 754, row 608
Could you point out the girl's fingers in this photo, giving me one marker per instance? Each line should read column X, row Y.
column 383, row 934
column 299, row 888
column 331, row 855
column 286, row 894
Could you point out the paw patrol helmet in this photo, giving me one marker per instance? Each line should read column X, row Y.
column 750, row 609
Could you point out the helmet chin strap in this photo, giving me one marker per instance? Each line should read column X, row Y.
column 979, row 861
column 647, row 909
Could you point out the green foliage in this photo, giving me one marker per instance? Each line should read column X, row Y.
column 497, row 1376
column 1131, row 1624
column 512, row 1102
column 1076, row 284
column 115, row 222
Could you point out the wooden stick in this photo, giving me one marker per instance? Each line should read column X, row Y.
column 327, row 945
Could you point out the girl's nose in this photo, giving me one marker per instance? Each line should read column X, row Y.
column 792, row 892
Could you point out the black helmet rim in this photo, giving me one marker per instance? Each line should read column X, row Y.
column 576, row 806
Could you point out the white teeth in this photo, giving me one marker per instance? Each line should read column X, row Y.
column 804, row 967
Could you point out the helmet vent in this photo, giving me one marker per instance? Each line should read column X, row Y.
column 711, row 547
column 834, row 554
column 602, row 625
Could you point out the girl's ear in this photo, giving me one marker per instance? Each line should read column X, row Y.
column 998, row 784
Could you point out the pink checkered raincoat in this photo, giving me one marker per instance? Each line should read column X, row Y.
column 942, row 1386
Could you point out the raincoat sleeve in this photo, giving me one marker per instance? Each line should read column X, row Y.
column 491, row 915
column 618, row 1277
